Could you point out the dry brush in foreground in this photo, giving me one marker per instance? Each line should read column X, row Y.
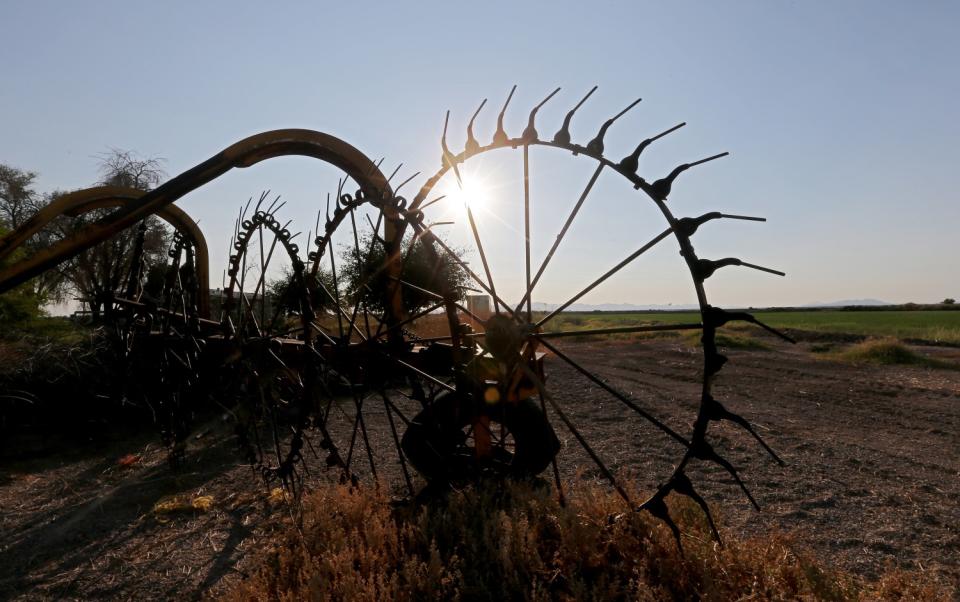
column 517, row 542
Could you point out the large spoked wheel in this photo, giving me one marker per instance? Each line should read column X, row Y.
column 501, row 368
column 266, row 318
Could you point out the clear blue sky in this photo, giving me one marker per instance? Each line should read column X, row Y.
column 841, row 119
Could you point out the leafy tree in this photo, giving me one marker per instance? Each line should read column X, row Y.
column 949, row 301
column 18, row 201
column 368, row 282
column 364, row 280
column 100, row 273
column 22, row 304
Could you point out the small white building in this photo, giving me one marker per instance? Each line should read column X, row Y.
column 479, row 305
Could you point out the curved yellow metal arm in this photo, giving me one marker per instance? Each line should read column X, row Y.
column 247, row 152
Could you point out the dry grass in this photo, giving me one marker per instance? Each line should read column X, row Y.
column 516, row 542
column 889, row 351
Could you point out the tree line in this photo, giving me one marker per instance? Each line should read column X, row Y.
column 93, row 276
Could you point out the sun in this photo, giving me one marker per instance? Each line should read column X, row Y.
column 469, row 192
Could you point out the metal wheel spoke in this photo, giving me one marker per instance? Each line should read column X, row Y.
column 420, row 373
column 526, row 230
column 471, row 273
column 396, row 443
column 618, row 395
column 341, row 313
column 335, row 297
column 609, row 273
column 576, row 433
column 360, row 300
column 483, row 259
column 553, row 461
column 527, row 296
column 403, row 323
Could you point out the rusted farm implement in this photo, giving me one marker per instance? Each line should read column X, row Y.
column 303, row 368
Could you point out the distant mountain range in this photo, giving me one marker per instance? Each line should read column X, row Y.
column 540, row 306
column 537, row 306
column 848, row 302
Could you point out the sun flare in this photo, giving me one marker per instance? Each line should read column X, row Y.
column 471, row 192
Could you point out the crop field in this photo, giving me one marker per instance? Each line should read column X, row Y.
column 941, row 327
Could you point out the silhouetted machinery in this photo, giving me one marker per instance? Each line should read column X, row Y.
column 305, row 365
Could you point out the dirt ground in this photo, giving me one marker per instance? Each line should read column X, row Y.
column 871, row 478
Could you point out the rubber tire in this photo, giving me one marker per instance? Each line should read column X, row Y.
column 435, row 436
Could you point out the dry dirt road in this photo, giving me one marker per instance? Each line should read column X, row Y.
column 872, row 476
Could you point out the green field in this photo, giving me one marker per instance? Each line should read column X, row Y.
column 935, row 326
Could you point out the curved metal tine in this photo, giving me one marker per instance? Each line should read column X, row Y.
column 658, row 508
column 243, row 213
column 530, row 133
column 661, row 188
column 774, row 331
column 527, row 296
column 394, row 172
column 631, row 162
column 717, row 411
column 447, row 155
column 712, row 455
column 396, row 443
column 500, row 136
column 762, row 269
column 271, row 208
column 616, row 394
column 401, row 185
column 428, row 203
column 472, row 145
column 263, row 196
column 609, row 273
column 743, row 217
column 708, row 159
column 563, row 134
column 595, row 146
column 236, row 224
column 575, row 432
